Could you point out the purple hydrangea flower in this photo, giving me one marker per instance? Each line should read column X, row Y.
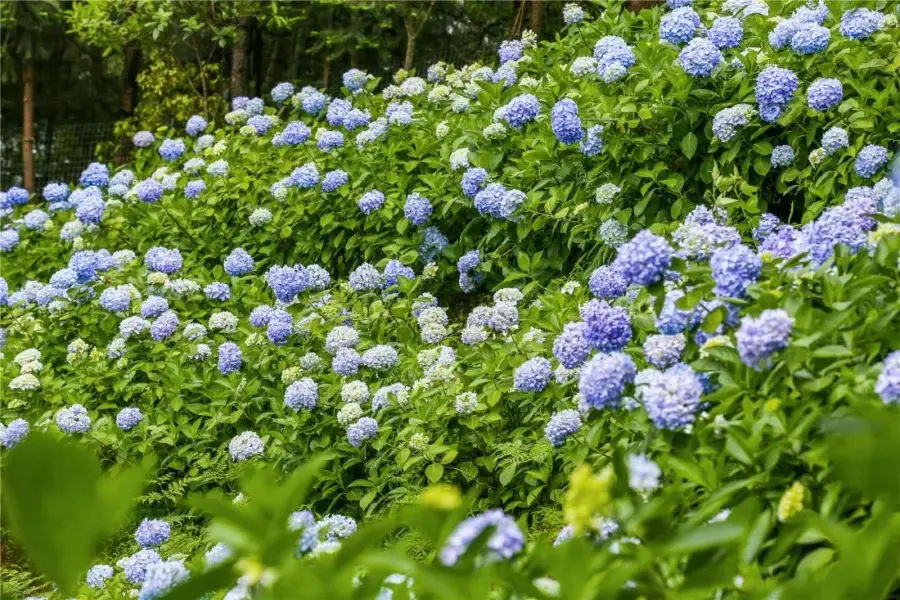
column 602, row 379
column 644, row 259
column 238, row 262
column 505, row 541
column 726, row 32
column 734, row 269
column 152, row 532
column 565, row 122
column 532, row 375
column 230, row 358
column 774, row 89
column 760, row 337
column 570, row 347
column 870, row 159
column 825, row 93
column 700, row 58
column 678, row 27
column 417, row 209
column 606, row 328
column 888, row 384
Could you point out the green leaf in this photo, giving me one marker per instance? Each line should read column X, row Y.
column 689, row 144
column 434, row 472
column 59, row 506
column 507, row 474
column 707, row 536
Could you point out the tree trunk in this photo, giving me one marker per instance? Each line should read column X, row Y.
column 410, row 51
column 516, row 29
column 258, row 61
column 326, row 74
column 536, row 16
column 638, row 5
column 129, row 95
column 239, row 60
column 269, row 79
column 28, row 126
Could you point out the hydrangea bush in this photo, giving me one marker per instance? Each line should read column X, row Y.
column 664, row 245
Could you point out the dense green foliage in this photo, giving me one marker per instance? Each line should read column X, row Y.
column 799, row 449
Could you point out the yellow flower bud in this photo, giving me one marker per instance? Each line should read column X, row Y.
column 791, row 502
column 441, row 497
column 588, row 496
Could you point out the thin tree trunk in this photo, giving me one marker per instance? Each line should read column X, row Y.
column 410, row 50
column 273, row 61
column 28, row 126
column 326, row 74
column 517, row 22
column 638, row 5
column 129, row 95
column 536, row 16
column 258, row 61
column 239, row 60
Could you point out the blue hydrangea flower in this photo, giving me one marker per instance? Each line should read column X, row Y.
column 164, row 326
column 592, row 144
column 345, row 362
column 643, row 473
column 128, row 418
column 239, row 262
column 760, row 337
column 149, row 191
column 888, row 384
column 603, row 379
column 217, row 291
column 13, row 433
column 510, row 50
column 116, row 299
column 570, row 347
column 490, row 200
column 355, row 80
column 468, row 261
column 97, row 576
column 142, row 139
column 834, row 139
column 644, row 259
column 562, row 425
column 169, row 150
column 364, row 429
column 393, row 271
column 734, row 269
column 371, row 201
column 246, row 445
column 671, row 397
column 163, row 260
column 312, row 101
column 279, row 327
column 132, row 326
column 678, row 27
column 364, row 278
column 417, row 209
column 433, row 243
column 319, row 279
column 870, row 159
column 700, row 58
column 195, row 125
column 663, row 351
column 260, row 316
column 36, row 220
column 160, row 577
column 152, row 532
column 767, row 224
column 295, row 133
column 565, row 122
column 860, row 23
column 329, row 140
column 824, row 93
column 520, row 110
column 532, row 375
column 194, row 188
column 135, row 566
column 774, row 89
column 782, row 156
column 54, row 192
column 572, row 13
column 614, row 57
column 337, row 110
column 380, row 357
column 230, row 358
column 96, row 174
column 334, row 180
column 282, row 92
column 305, row 177
column 9, row 239
column 286, row 282
column 399, row 113
column 726, row 32
column 473, row 181
column 606, row 328
column 73, row 419
column 356, row 118
column 810, row 38
column 505, row 541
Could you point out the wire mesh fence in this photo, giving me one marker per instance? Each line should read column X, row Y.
column 60, row 152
